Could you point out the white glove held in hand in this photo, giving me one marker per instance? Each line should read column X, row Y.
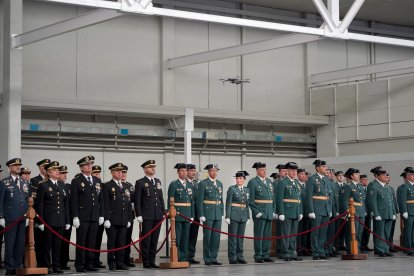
column 378, row 218
column 67, row 226
column 76, row 222
column 405, row 215
column 2, row 223
column 227, row 220
column 101, row 220
column 259, row 215
column 275, row 216
column 282, row 217
column 107, row 224
column 312, row 215
column 300, row 217
column 394, row 217
column 42, row 227
column 128, row 224
column 139, row 219
column 203, row 219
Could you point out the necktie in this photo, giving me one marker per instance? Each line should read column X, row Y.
column 89, row 180
column 152, row 181
column 16, row 180
column 120, row 184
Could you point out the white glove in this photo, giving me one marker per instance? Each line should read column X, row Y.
column 330, row 214
column 336, row 214
column 275, row 216
column 394, row 217
column 312, row 215
column 227, row 220
column 202, row 219
column 300, row 217
column 76, row 222
column 128, row 224
column 248, row 222
column 42, row 227
column 222, row 217
column 259, row 215
column 101, row 220
column 192, row 219
column 378, row 218
column 139, row 219
column 67, row 226
column 372, row 214
column 107, row 224
column 27, row 222
column 405, row 215
column 282, row 217
column 2, row 223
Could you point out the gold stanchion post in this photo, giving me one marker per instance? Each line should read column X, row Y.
column 354, row 243
column 174, row 263
column 30, row 255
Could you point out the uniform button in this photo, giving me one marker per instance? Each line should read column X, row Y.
column 93, row 203
column 58, row 212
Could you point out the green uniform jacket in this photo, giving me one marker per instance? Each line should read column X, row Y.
column 317, row 186
column 182, row 194
column 303, row 196
column 261, row 191
column 405, row 193
column 289, row 190
column 194, row 185
column 207, row 191
column 380, row 200
column 394, row 200
column 333, row 196
column 357, row 192
column 234, row 195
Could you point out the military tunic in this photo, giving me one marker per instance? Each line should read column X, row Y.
column 183, row 195
column 318, row 202
column 380, row 202
column 193, row 226
column 210, row 205
column 237, row 210
column 13, row 205
column 261, row 201
column 406, row 205
column 131, row 205
column 357, row 192
column 302, row 242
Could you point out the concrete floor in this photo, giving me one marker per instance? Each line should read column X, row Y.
column 400, row 264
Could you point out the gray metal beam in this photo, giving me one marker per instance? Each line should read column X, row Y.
column 72, row 24
column 361, row 71
column 239, row 50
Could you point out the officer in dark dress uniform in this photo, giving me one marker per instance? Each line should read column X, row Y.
column 13, row 206
column 191, row 173
column 117, row 216
column 131, row 189
column 149, row 209
column 53, row 208
column 87, row 209
column 96, row 172
column 237, row 217
column 38, row 235
column 64, row 248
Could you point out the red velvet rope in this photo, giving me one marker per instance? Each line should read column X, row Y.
column 162, row 245
column 13, row 224
column 266, row 238
column 97, row 250
column 337, row 233
column 381, row 238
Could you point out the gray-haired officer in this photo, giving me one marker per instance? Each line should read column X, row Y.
column 191, row 177
column 263, row 211
column 182, row 192
column 319, row 207
column 237, row 217
column 211, row 210
column 13, row 206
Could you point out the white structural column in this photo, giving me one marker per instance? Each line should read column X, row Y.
column 10, row 109
column 188, row 130
column 167, row 51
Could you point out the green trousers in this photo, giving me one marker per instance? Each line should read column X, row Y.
column 235, row 245
column 319, row 237
column 262, row 228
column 182, row 232
column 383, row 229
column 288, row 245
column 409, row 233
column 211, row 241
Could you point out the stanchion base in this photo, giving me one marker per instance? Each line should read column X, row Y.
column 32, row 271
column 174, row 265
column 354, row 256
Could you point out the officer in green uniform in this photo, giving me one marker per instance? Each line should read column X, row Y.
column 406, row 205
column 289, row 209
column 319, row 208
column 332, row 228
column 237, row 217
column 339, row 183
column 395, row 211
column 182, row 192
column 302, row 242
column 363, row 179
column 380, row 202
column 263, row 211
column 191, row 177
column 210, row 208
column 356, row 191
column 282, row 175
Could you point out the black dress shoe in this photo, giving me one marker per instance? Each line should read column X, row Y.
column 297, row 259
column 409, row 253
column 91, row 269
column 192, row 261
column 316, row 258
column 57, row 270
column 10, row 272
column 112, row 268
column 389, row 254
column 154, row 266
column 268, row 260
column 121, row 267
column 99, row 266
column 207, row 263
column 259, row 261
column 324, row 257
column 392, row 249
column 65, row 268
column 80, row 269
column 130, row 265
column 286, row 259
column 49, row 271
column 233, row 262
column 216, row 263
column 241, row 261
